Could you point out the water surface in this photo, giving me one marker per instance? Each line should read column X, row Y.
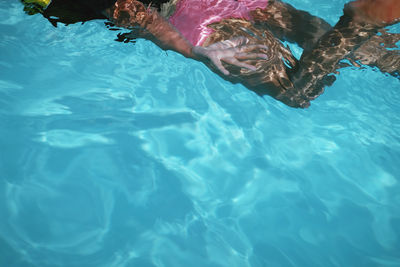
column 119, row 155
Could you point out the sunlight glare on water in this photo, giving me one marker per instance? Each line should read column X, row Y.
column 119, row 155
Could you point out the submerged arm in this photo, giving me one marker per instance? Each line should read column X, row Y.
column 291, row 24
column 361, row 20
column 131, row 13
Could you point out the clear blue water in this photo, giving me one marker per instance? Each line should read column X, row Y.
column 119, row 155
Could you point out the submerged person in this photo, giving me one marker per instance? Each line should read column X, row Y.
column 241, row 38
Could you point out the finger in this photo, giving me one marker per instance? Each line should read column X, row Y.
column 253, row 47
column 240, row 41
column 220, row 67
column 245, row 56
column 240, row 64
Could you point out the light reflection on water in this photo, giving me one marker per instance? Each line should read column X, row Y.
column 125, row 155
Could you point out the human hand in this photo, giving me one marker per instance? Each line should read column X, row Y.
column 233, row 51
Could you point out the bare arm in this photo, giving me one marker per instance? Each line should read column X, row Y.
column 131, row 13
column 361, row 20
column 291, row 24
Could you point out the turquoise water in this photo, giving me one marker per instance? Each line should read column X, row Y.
column 119, row 155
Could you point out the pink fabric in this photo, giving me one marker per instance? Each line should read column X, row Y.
column 191, row 17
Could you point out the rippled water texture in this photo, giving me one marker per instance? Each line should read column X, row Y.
column 117, row 155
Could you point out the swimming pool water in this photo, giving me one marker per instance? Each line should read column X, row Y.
column 119, row 155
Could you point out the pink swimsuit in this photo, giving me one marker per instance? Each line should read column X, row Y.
column 191, row 17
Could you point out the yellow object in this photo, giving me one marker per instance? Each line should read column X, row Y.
column 42, row 3
column 32, row 7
